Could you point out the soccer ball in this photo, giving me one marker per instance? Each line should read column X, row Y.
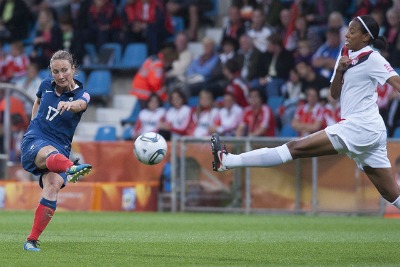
column 150, row 148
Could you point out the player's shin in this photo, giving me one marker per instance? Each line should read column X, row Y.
column 57, row 162
column 43, row 214
column 264, row 157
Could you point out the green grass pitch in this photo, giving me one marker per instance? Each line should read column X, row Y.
column 199, row 239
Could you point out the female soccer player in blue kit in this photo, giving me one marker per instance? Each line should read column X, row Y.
column 46, row 145
column 361, row 134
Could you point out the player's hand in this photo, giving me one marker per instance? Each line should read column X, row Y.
column 63, row 106
column 344, row 62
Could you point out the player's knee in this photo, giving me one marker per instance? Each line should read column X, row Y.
column 295, row 149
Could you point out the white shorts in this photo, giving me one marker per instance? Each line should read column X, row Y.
column 365, row 147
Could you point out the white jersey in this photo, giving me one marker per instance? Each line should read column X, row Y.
column 178, row 120
column 205, row 119
column 358, row 97
column 228, row 120
column 148, row 121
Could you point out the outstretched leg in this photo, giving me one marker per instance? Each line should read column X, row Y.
column 317, row 144
column 383, row 180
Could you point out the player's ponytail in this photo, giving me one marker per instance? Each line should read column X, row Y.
column 380, row 43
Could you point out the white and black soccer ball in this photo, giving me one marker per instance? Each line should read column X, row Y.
column 150, row 148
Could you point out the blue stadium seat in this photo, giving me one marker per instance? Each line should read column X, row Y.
column 193, row 101
column 81, row 76
column 44, row 73
column 396, row 133
column 274, row 102
column 99, row 83
column 114, row 53
column 397, row 70
column 134, row 56
column 90, row 50
column 178, row 23
column 106, row 133
column 288, row 131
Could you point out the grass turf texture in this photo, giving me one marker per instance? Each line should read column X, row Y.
column 163, row 239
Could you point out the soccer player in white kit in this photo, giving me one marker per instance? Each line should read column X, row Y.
column 361, row 134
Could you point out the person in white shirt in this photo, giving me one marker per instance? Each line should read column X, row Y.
column 205, row 114
column 258, row 31
column 179, row 66
column 150, row 117
column 177, row 118
column 361, row 133
column 229, row 116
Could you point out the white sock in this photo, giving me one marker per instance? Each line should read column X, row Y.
column 396, row 203
column 263, row 157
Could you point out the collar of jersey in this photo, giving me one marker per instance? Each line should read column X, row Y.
column 357, row 53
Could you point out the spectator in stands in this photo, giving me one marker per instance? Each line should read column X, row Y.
column 284, row 21
column 15, row 63
column 149, row 117
column 292, row 93
column 150, row 77
column 309, row 78
column 303, row 51
column 308, row 118
column 336, row 21
column 146, row 21
column 15, row 20
column 393, row 37
column 247, row 8
column 324, row 59
column 202, row 69
column 258, row 118
column 258, row 31
column 272, row 10
column 76, row 13
column 178, row 116
column 185, row 57
column 228, row 118
column 204, row 116
column 254, row 66
column 235, row 26
column 302, row 31
column 278, row 64
column 237, row 86
column 192, row 11
column 103, row 23
column 228, row 50
column 48, row 39
column 31, row 81
column 331, row 106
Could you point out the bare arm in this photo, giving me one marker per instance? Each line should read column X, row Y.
column 35, row 107
column 394, row 81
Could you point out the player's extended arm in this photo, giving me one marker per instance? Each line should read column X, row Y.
column 73, row 106
column 394, row 81
column 35, row 107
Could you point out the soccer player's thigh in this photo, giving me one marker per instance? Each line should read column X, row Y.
column 40, row 159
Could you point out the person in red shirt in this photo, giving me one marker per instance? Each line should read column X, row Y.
column 151, row 76
column 15, row 65
column 258, row 118
column 237, row 85
column 308, row 116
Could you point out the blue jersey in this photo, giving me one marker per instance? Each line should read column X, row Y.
column 48, row 123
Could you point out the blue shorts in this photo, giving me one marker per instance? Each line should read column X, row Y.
column 30, row 146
